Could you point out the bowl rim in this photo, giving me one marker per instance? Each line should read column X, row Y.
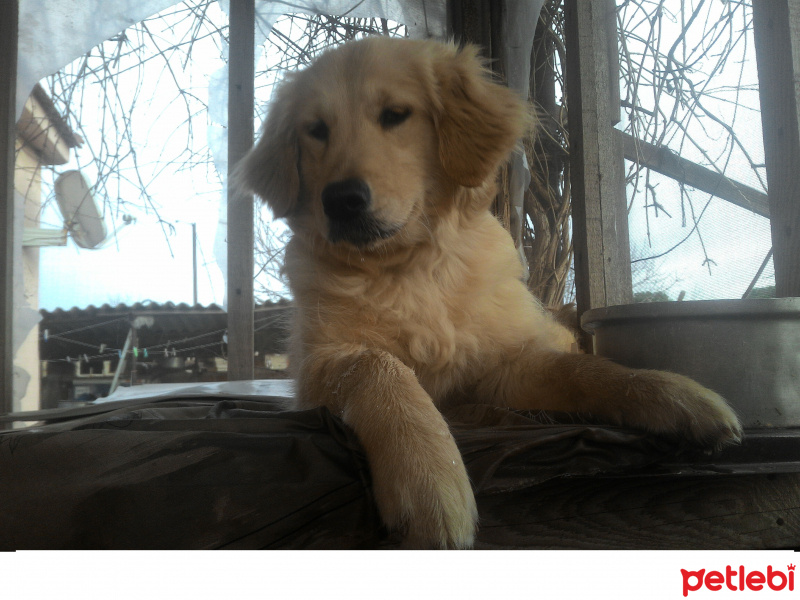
column 693, row 309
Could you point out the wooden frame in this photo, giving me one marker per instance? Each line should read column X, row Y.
column 776, row 28
column 665, row 161
column 241, row 98
column 8, row 79
column 471, row 22
column 599, row 207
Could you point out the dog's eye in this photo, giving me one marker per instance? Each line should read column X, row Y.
column 319, row 131
column 392, row 117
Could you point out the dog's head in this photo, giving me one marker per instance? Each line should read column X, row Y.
column 361, row 146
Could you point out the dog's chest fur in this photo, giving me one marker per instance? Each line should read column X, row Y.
column 444, row 319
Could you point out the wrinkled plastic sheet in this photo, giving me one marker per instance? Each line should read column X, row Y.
column 52, row 33
column 210, row 472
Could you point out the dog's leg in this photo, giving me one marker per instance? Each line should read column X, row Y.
column 419, row 480
column 656, row 401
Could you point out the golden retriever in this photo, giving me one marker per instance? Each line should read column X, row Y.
column 382, row 157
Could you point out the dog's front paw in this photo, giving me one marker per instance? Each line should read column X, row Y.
column 688, row 409
column 427, row 496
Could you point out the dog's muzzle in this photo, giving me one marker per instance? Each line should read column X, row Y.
column 347, row 205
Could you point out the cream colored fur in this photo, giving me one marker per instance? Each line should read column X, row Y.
column 435, row 313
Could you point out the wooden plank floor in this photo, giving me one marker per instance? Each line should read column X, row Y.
column 662, row 512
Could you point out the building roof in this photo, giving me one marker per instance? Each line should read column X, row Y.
column 72, row 139
column 99, row 332
column 43, row 131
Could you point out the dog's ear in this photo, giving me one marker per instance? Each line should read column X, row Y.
column 270, row 168
column 478, row 121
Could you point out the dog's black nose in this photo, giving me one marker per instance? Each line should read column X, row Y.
column 346, row 200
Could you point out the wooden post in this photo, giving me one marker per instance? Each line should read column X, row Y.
column 241, row 73
column 194, row 264
column 665, row 161
column 776, row 25
column 504, row 30
column 599, row 207
column 8, row 128
column 477, row 22
column 470, row 22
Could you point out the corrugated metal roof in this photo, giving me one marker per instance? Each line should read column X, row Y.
column 100, row 331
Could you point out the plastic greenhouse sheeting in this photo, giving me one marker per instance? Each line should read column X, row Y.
column 53, row 33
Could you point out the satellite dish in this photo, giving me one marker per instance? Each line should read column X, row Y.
column 81, row 215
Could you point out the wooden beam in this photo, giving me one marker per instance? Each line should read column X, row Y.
column 776, row 27
column 8, row 83
column 599, row 207
column 612, row 54
column 241, row 97
column 478, row 22
column 666, row 162
column 470, row 22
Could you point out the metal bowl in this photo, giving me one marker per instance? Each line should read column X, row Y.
column 746, row 350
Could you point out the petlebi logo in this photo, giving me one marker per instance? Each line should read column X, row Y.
column 739, row 579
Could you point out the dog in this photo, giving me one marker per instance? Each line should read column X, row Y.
column 382, row 158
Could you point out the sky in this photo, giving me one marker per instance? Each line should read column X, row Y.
column 147, row 261
column 152, row 258
column 142, row 263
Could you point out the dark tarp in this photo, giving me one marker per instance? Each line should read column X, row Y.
column 237, row 473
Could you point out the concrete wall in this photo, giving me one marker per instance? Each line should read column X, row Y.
column 27, row 182
column 38, row 143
